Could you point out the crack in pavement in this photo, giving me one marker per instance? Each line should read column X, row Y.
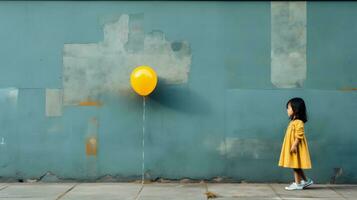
column 138, row 194
column 275, row 192
column 67, row 191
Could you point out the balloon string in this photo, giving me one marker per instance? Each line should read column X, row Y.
column 143, row 163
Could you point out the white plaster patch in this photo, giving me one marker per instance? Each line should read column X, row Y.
column 9, row 95
column 288, row 44
column 54, row 102
column 105, row 67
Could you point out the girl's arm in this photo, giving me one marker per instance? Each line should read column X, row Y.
column 294, row 146
column 299, row 134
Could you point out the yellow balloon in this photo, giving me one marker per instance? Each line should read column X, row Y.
column 143, row 80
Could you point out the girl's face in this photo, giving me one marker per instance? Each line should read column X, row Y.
column 289, row 110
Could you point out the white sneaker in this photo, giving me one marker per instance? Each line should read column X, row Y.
column 295, row 186
column 307, row 183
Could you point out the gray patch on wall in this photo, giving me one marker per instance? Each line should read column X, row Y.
column 288, row 44
column 54, row 102
column 234, row 147
column 93, row 69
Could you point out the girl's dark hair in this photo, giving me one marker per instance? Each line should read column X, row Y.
column 299, row 109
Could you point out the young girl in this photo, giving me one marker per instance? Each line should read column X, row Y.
column 294, row 152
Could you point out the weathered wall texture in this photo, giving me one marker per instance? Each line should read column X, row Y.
column 226, row 70
column 93, row 69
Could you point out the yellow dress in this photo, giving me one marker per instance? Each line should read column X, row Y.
column 300, row 159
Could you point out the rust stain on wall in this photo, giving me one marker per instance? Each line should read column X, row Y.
column 91, row 146
column 90, row 103
column 349, row 89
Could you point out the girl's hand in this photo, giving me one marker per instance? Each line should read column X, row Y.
column 293, row 149
column 294, row 146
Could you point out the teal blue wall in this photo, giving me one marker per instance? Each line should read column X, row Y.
column 228, row 99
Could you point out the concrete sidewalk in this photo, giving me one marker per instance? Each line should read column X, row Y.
column 169, row 191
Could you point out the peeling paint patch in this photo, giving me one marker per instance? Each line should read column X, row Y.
column 9, row 95
column 288, row 44
column 49, row 177
column 54, row 102
column 337, row 172
column 93, row 69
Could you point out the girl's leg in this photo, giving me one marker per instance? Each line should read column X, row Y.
column 297, row 176
column 302, row 174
